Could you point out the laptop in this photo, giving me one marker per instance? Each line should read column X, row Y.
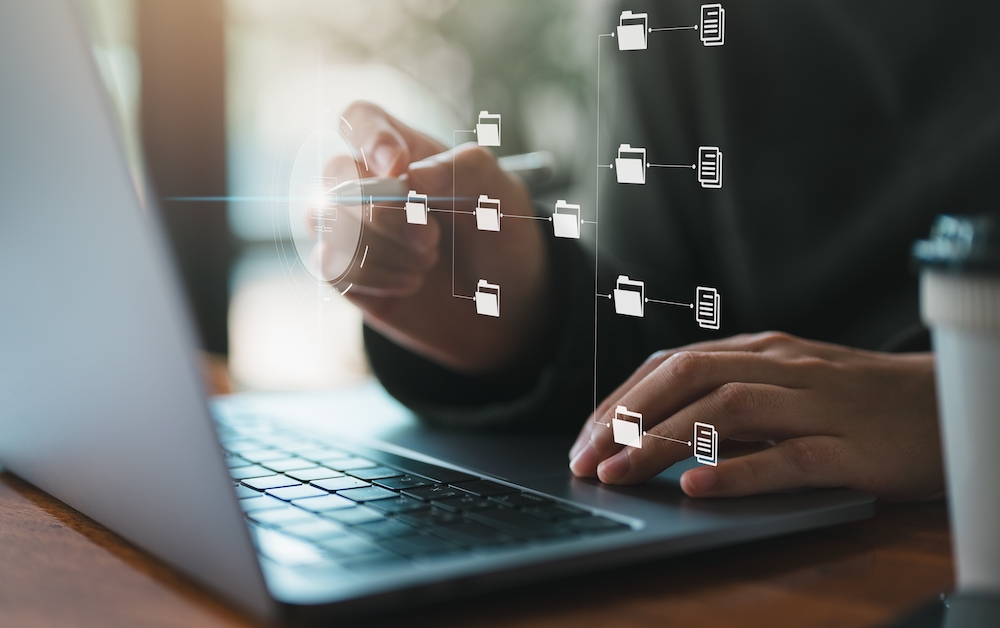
column 292, row 507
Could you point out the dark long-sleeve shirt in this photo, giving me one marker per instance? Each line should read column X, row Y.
column 845, row 127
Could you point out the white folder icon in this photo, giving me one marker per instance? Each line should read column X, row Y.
column 707, row 305
column 710, row 167
column 488, row 214
column 487, row 298
column 566, row 220
column 627, row 427
column 630, row 297
column 632, row 29
column 488, row 129
column 631, row 164
column 713, row 25
column 416, row 208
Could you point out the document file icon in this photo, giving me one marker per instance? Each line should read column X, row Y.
column 706, row 444
column 488, row 129
column 707, row 305
column 631, row 164
column 566, row 220
column 632, row 30
column 713, row 25
column 487, row 298
column 627, row 427
column 629, row 296
column 710, row 167
column 488, row 214
column 416, row 208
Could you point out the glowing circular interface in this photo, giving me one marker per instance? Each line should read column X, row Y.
column 325, row 212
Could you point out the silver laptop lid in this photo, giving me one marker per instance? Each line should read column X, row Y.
column 101, row 402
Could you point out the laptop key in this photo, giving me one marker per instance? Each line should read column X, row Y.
column 253, row 471
column 270, row 481
column 316, row 473
column 522, row 500
column 315, row 530
column 470, row 534
column 347, row 464
column 437, row 492
column 403, row 482
column 399, row 505
column 375, row 473
column 419, row 545
column 263, row 455
column 301, row 491
column 323, row 504
column 340, row 484
column 354, row 516
column 370, row 493
column 557, row 511
column 485, row 488
column 235, row 461
column 288, row 464
column 282, row 516
column 429, row 517
column 387, row 528
column 519, row 524
column 464, row 503
column 264, row 502
column 242, row 492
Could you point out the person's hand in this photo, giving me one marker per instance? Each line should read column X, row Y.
column 405, row 287
column 839, row 417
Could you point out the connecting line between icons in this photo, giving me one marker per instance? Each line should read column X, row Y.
column 675, row 440
column 674, row 28
column 454, row 209
column 691, row 166
column 546, row 218
column 687, row 305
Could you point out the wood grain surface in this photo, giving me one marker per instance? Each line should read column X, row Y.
column 59, row 568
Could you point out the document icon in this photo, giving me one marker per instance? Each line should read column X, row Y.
column 627, row 427
column 323, row 201
column 713, row 25
column 710, row 167
column 416, row 208
column 629, row 296
column 488, row 214
column 707, row 304
column 632, row 30
column 630, row 164
column 706, row 444
column 488, row 129
column 487, row 298
column 566, row 220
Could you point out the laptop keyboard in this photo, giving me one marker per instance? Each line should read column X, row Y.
column 309, row 504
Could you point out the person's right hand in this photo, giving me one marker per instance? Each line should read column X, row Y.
column 405, row 288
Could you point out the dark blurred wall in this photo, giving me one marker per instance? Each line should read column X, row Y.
column 182, row 54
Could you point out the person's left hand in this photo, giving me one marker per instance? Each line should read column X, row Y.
column 838, row 416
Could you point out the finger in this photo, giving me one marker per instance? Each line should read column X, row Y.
column 678, row 381
column 387, row 145
column 467, row 171
column 733, row 408
column 812, row 461
column 394, row 272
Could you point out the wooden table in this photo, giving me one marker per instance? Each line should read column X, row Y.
column 59, row 568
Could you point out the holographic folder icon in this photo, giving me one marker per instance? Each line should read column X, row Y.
column 416, row 208
column 487, row 298
column 627, row 427
column 632, row 30
column 488, row 129
column 630, row 165
column 566, row 220
column 629, row 296
column 488, row 214
column 706, row 444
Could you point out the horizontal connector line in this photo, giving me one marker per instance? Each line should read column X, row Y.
column 526, row 217
column 465, row 131
column 682, row 442
column 609, row 166
column 690, row 166
column 605, row 296
column 462, row 296
column 687, row 305
column 589, row 222
column 449, row 211
column 605, row 35
column 674, row 28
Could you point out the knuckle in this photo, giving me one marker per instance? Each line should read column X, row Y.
column 658, row 356
column 685, row 366
column 807, row 457
column 738, row 399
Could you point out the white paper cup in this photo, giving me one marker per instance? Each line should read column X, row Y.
column 960, row 302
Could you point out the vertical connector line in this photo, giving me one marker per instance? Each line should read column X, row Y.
column 597, row 210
